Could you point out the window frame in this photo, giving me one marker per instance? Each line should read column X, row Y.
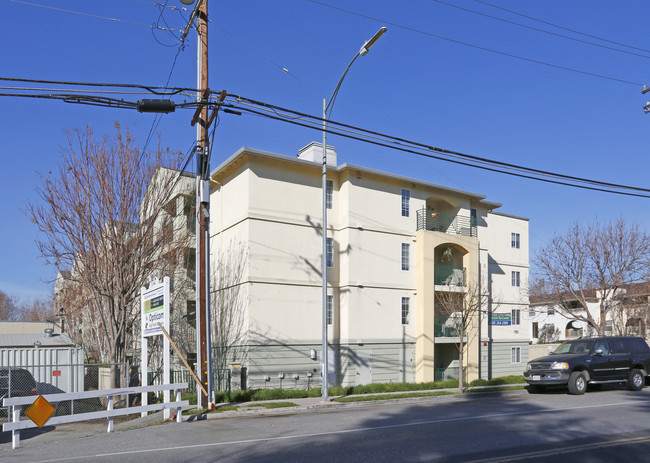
column 515, row 240
column 406, row 256
column 406, row 202
column 515, row 314
column 406, row 310
column 329, row 252
column 515, row 355
column 330, row 310
column 329, row 194
column 515, row 278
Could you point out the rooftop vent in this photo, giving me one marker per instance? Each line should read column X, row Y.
column 49, row 332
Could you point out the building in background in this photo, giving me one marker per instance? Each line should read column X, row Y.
column 627, row 313
column 394, row 245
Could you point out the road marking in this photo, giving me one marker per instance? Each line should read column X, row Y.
column 564, row 450
column 347, row 431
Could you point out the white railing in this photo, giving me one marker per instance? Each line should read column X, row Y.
column 16, row 403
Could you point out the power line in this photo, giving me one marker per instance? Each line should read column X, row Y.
column 562, row 27
column 413, row 147
column 541, row 30
column 89, row 14
column 479, row 47
column 156, row 90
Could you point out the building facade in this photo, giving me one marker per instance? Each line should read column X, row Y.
column 395, row 247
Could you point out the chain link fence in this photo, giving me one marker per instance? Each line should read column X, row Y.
column 19, row 381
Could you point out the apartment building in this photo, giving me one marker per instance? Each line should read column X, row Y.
column 394, row 245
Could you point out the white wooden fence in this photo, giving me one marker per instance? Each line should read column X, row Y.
column 16, row 403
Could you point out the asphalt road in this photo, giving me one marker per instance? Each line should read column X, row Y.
column 604, row 426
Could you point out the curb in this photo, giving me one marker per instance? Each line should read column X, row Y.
column 338, row 405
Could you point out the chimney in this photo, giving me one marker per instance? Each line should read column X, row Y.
column 314, row 152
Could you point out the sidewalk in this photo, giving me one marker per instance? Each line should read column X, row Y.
column 82, row 429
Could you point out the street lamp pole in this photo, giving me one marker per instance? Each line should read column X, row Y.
column 328, row 105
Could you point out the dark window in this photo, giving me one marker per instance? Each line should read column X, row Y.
column 636, row 345
column 617, row 346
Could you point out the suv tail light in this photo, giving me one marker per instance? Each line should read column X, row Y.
column 34, row 391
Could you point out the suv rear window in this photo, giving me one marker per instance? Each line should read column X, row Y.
column 636, row 345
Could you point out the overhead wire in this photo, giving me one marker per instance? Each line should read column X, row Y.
column 587, row 42
column 439, row 153
column 562, row 27
column 150, row 88
column 85, row 14
column 479, row 47
column 445, row 159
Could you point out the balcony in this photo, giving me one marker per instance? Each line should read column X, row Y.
column 445, row 374
column 443, row 327
column 446, row 223
column 449, row 275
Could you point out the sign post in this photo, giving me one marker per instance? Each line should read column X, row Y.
column 154, row 303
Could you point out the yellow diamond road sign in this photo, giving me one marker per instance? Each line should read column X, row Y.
column 40, row 411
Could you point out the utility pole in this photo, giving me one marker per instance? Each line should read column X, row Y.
column 203, row 206
column 200, row 119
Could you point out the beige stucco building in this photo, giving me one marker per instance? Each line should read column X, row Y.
column 395, row 244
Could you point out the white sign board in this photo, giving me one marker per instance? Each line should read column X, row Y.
column 155, row 309
column 155, row 304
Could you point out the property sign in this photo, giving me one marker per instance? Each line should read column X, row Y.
column 500, row 319
column 155, row 308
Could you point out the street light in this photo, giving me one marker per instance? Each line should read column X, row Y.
column 328, row 105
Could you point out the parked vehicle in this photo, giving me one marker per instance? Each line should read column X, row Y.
column 591, row 361
column 16, row 382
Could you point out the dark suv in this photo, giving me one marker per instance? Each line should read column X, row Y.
column 15, row 382
column 576, row 363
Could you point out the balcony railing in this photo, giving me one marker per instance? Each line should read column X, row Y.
column 444, row 327
column 446, row 223
column 449, row 275
column 444, row 374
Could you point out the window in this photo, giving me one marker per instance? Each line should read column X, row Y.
column 535, row 330
column 516, row 278
column 550, row 311
column 406, row 198
column 330, row 253
column 514, row 240
column 330, row 309
column 516, row 316
column 406, row 302
column 515, row 355
column 328, row 194
column 405, row 256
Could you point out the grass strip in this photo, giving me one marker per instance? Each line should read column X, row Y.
column 270, row 405
column 367, row 398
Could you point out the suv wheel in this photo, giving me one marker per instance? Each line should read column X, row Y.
column 577, row 383
column 635, row 380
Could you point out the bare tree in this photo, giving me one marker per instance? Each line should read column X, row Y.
column 549, row 333
column 464, row 310
column 40, row 309
column 101, row 218
column 592, row 260
column 9, row 309
column 228, row 316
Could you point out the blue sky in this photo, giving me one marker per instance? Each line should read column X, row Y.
column 412, row 85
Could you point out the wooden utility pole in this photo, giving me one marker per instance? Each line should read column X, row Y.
column 203, row 207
